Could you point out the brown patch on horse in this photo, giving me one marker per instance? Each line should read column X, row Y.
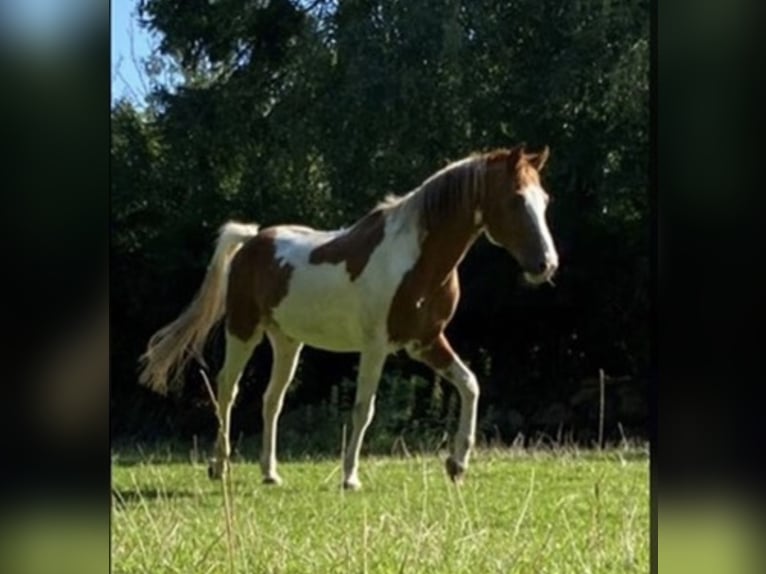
column 438, row 355
column 257, row 284
column 355, row 246
column 427, row 297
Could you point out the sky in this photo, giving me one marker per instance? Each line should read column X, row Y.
column 127, row 82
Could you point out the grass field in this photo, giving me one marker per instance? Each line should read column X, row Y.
column 542, row 511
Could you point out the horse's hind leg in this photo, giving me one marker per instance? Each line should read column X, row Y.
column 237, row 354
column 370, row 368
column 285, row 353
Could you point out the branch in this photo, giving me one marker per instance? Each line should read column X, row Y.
column 131, row 37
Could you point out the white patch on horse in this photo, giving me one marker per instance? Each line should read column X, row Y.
column 534, row 200
column 327, row 310
column 468, row 388
column 535, row 203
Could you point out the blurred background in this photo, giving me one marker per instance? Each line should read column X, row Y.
column 54, row 431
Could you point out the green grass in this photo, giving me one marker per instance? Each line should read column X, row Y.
column 558, row 510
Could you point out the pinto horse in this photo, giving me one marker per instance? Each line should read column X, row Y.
column 388, row 282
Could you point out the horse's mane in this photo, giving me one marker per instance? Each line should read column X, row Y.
column 459, row 185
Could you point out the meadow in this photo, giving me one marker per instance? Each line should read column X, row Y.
column 541, row 510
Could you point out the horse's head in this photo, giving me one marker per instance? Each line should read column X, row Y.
column 514, row 211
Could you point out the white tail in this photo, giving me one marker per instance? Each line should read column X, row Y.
column 171, row 348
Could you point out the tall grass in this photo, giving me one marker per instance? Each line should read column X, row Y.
column 549, row 509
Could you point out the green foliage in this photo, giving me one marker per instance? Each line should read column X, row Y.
column 409, row 415
column 310, row 112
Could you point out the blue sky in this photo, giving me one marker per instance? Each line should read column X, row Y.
column 128, row 81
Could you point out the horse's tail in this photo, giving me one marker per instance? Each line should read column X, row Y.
column 172, row 347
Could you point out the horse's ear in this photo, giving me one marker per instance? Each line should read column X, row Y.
column 539, row 160
column 516, row 153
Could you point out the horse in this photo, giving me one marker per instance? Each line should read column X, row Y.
column 389, row 282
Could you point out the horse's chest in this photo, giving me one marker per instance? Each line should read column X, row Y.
column 421, row 309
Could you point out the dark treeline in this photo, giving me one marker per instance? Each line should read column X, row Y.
column 310, row 112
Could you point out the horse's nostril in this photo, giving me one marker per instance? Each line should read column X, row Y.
column 542, row 267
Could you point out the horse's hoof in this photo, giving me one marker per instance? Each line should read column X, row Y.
column 275, row 480
column 352, row 484
column 455, row 470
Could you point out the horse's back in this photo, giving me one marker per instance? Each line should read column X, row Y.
column 330, row 289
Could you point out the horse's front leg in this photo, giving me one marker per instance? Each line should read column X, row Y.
column 440, row 356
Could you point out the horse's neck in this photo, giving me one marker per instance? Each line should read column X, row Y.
column 444, row 246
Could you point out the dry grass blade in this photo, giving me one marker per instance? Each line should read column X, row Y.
column 525, row 507
column 225, row 483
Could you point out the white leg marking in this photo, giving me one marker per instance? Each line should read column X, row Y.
column 457, row 373
column 237, row 354
column 468, row 388
column 285, row 353
column 370, row 367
